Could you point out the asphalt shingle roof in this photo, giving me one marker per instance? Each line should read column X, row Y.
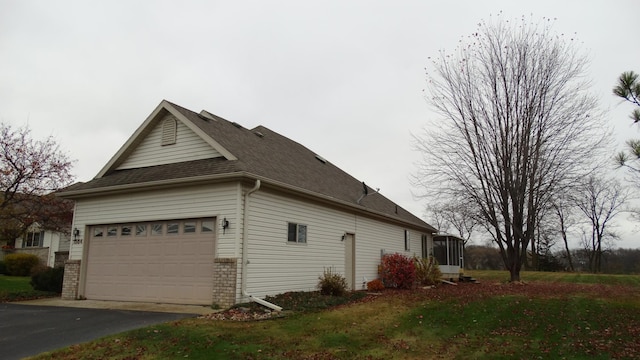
column 266, row 154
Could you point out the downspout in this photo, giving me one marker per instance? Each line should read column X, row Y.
column 245, row 257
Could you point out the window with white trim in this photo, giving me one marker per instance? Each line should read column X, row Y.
column 33, row 239
column 297, row 233
column 407, row 241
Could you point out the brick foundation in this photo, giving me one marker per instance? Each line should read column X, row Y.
column 225, row 272
column 71, row 280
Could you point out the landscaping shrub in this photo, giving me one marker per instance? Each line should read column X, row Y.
column 3, row 268
column 427, row 270
column 46, row 278
column 331, row 283
column 397, row 271
column 20, row 264
column 375, row 285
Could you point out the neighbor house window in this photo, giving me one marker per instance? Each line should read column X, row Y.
column 34, row 239
column 407, row 241
column 297, row 233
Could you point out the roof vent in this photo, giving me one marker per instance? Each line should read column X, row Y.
column 205, row 115
column 321, row 159
column 259, row 134
column 236, row 125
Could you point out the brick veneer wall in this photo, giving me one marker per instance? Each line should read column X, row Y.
column 71, row 280
column 224, row 281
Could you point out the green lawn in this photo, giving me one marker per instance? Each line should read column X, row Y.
column 547, row 317
column 14, row 288
column 578, row 278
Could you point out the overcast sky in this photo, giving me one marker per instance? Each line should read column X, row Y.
column 344, row 78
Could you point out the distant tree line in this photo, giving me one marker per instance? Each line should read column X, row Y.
column 613, row 261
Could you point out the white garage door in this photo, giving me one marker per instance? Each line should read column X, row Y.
column 163, row 261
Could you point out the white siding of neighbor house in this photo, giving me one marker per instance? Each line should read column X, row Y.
column 52, row 241
column 277, row 266
column 218, row 201
column 189, row 146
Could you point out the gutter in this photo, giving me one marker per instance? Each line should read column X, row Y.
column 245, row 256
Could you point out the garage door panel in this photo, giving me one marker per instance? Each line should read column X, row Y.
column 169, row 268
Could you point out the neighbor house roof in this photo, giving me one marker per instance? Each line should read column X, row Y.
column 257, row 153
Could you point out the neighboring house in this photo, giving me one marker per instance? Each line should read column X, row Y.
column 38, row 225
column 194, row 209
column 52, row 247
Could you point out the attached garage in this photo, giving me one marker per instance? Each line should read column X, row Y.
column 161, row 261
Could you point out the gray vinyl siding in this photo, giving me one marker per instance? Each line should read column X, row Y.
column 218, row 201
column 189, row 146
column 277, row 266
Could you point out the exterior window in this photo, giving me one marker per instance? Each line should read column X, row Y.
column 156, row 229
column 98, row 232
column 112, row 231
column 407, row 241
column 125, row 230
column 425, row 246
column 297, row 233
column 172, row 228
column 189, row 227
column 34, row 239
column 141, row 230
column 207, row 226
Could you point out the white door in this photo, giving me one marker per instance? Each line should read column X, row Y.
column 349, row 260
column 163, row 261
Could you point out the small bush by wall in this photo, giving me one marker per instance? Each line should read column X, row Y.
column 45, row 278
column 20, row 264
column 375, row 285
column 397, row 271
column 331, row 283
column 427, row 270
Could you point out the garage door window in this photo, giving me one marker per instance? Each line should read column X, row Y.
column 141, row 230
column 112, row 231
column 172, row 228
column 156, row 229
column 189, row 227
column 125, row 230
column 207, row 226
column 98, row 231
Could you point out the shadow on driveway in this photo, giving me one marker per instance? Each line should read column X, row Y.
column 28, row 330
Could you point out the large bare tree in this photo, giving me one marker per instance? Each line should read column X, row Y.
column 516, row 123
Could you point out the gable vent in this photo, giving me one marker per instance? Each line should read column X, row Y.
column 169, row 130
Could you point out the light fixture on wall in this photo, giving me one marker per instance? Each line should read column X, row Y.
column 225, row 225
column 76, row 236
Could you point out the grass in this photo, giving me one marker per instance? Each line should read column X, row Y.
column 563, row 277
column 549, row 317
column 16, row 288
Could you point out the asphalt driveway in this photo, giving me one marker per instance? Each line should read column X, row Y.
column 28, row 330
